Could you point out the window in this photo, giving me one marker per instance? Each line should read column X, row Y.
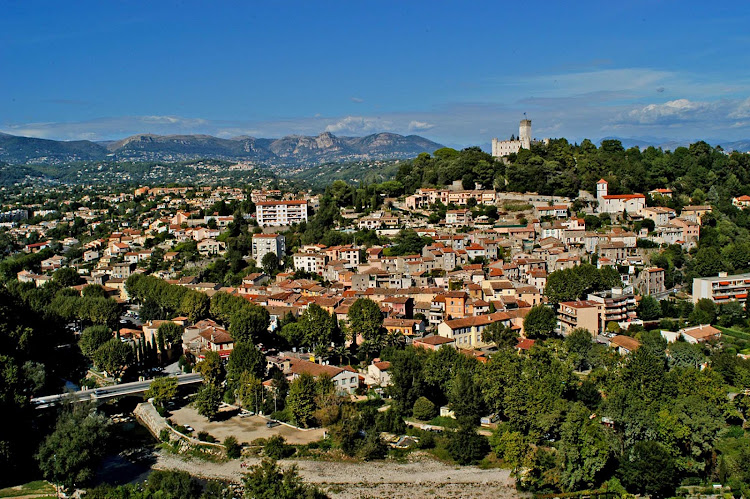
column 353, row 380
column 335, row 383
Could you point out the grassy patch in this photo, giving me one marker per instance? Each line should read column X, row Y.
column 204, row 454
column 518, row 207
column 491, row 462
column 441, row 454
column 445, row 422
column 735, row 333
column 27, row 489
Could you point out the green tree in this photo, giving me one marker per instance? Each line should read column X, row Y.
column 587, row 448
column 648, row 468
column 366, row 320
column 277, row 448
column 92, row 338
column 249, row 324
column 465, row 398
column 731, row 314
column 71, row 453
column 407, row 379
column 195, row 305
column 66, row 277
column 505, row 337
column 113, row 356
column 245, row 357
column 540, row 322
column 424, row 409
column 94, row 291
column 170, row 333
column 270, row 262
column 233, row 448
column 510, row 446
column 704, row 312
column 268, row 481
column 579, row 344
column 649, row 309
column 176, row 484
column 684, row 354
column 207, row 400
column 318, row 326
column 249, row 391
column 300, row 401
column 466, row 446
column 162, row 390
column 211, row 369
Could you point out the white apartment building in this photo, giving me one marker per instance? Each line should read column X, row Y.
column 309, row 262
column 280, row 213
column 268, row 243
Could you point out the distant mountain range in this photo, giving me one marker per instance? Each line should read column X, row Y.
column 668, row 144
column 290, row 150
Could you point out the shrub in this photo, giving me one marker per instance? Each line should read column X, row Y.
column 466, row 446
column 164, row 435
column 204, row 436
column 234, row 449
column 276, row 448
column 373, row 447
column 424, row 409
column 426, row 440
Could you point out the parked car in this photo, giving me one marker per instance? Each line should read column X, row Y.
column 271, row 423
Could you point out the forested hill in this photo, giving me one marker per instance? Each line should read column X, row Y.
column 696, row 173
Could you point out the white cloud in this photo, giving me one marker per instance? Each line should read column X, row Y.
column 742, row 110
column 357, row 100
column 669, row 112
column 419, row 126
column 358, row 124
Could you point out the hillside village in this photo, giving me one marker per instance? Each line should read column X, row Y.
column 473, row 271
column 369, row 290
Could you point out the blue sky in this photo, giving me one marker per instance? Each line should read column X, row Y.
column 456, row 72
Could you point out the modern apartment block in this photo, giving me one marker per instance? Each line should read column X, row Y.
column 722, row 288
column 581, row 313
column 281, row 213
column 268, row 243
column 615, row 306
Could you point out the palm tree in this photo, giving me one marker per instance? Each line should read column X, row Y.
column 395, row 339
column 341, row 352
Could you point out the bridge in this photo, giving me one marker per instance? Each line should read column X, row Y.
column 109, row 392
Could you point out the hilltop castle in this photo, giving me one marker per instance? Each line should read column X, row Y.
column 502, row 148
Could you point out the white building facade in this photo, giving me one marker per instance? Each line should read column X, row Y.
column 281, row 213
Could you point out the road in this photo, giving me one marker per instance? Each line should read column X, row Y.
column 109, row 391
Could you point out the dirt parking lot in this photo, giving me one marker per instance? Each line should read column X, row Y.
column 243, row 429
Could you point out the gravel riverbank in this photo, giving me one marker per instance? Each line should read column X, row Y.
column 421, row 477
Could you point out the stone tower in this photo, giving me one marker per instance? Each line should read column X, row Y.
column 524, row 134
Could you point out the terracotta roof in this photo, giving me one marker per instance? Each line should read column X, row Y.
column 300, row 366
column 626, row 342
column 383, row 366
column 701, row 332
column 479, row 320
column 435, row 340
column 525, row 343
